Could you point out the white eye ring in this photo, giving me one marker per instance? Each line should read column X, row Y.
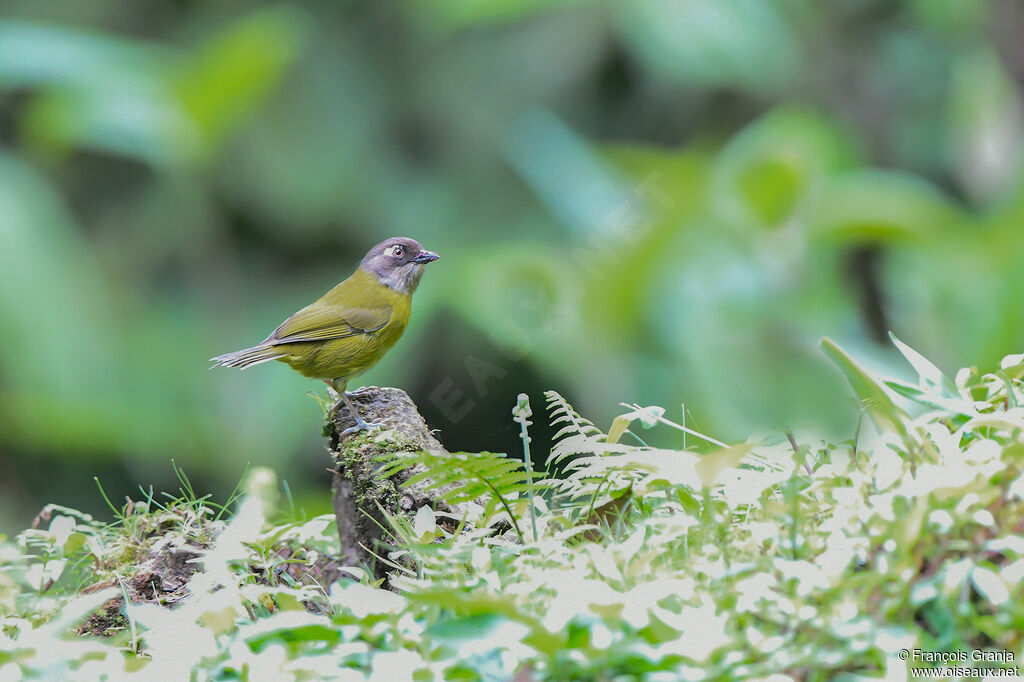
column 396, row 251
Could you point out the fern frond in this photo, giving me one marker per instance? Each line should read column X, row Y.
column 562, row 412
column 579, row 435
column 492, row 479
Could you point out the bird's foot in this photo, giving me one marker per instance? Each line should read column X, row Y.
column 362, row 425
column 362, row 389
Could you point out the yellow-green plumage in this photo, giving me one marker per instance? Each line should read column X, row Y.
column 348, row 329
column 345, row 332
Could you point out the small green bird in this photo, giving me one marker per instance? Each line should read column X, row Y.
column 349, row 328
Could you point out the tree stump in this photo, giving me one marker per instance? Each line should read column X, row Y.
column 357, row 488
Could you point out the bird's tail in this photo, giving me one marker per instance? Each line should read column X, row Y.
column 246, row 357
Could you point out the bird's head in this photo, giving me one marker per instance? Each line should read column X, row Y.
column 398, row 263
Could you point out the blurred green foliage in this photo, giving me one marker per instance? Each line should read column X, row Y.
column 661, row 201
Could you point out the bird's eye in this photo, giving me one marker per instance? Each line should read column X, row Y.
column 397, row 251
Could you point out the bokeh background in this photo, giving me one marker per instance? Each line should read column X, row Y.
column 656, row 201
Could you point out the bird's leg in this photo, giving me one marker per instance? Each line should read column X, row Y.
column 335, row 389
column 332, row 392
column 361, row 425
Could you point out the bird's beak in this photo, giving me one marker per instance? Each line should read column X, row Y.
column 425, row 257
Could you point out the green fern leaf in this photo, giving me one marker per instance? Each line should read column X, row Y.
column 491, row 479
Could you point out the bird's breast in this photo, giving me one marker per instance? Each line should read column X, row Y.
column 349, row 356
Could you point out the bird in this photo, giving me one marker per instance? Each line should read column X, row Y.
column 349, row 329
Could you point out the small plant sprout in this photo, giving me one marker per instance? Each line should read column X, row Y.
column 521, row 413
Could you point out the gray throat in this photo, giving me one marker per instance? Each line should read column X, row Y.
column 402, row 279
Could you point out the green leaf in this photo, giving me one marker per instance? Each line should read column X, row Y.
column 990, row 585
column 618, row 427
column 872, row 395
column 930, row 375
column 868, row 205
column 235, row 71
column 711, row 466
column 929, row 399
column 294, row 626
column 424, row 525
column 466, row 628
column 769, row 173
column 740, row 44
column 450, row 15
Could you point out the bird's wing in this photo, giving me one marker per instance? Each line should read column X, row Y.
column 320, row 322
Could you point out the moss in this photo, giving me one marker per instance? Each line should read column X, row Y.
column 106, row 621
column 358, row 461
